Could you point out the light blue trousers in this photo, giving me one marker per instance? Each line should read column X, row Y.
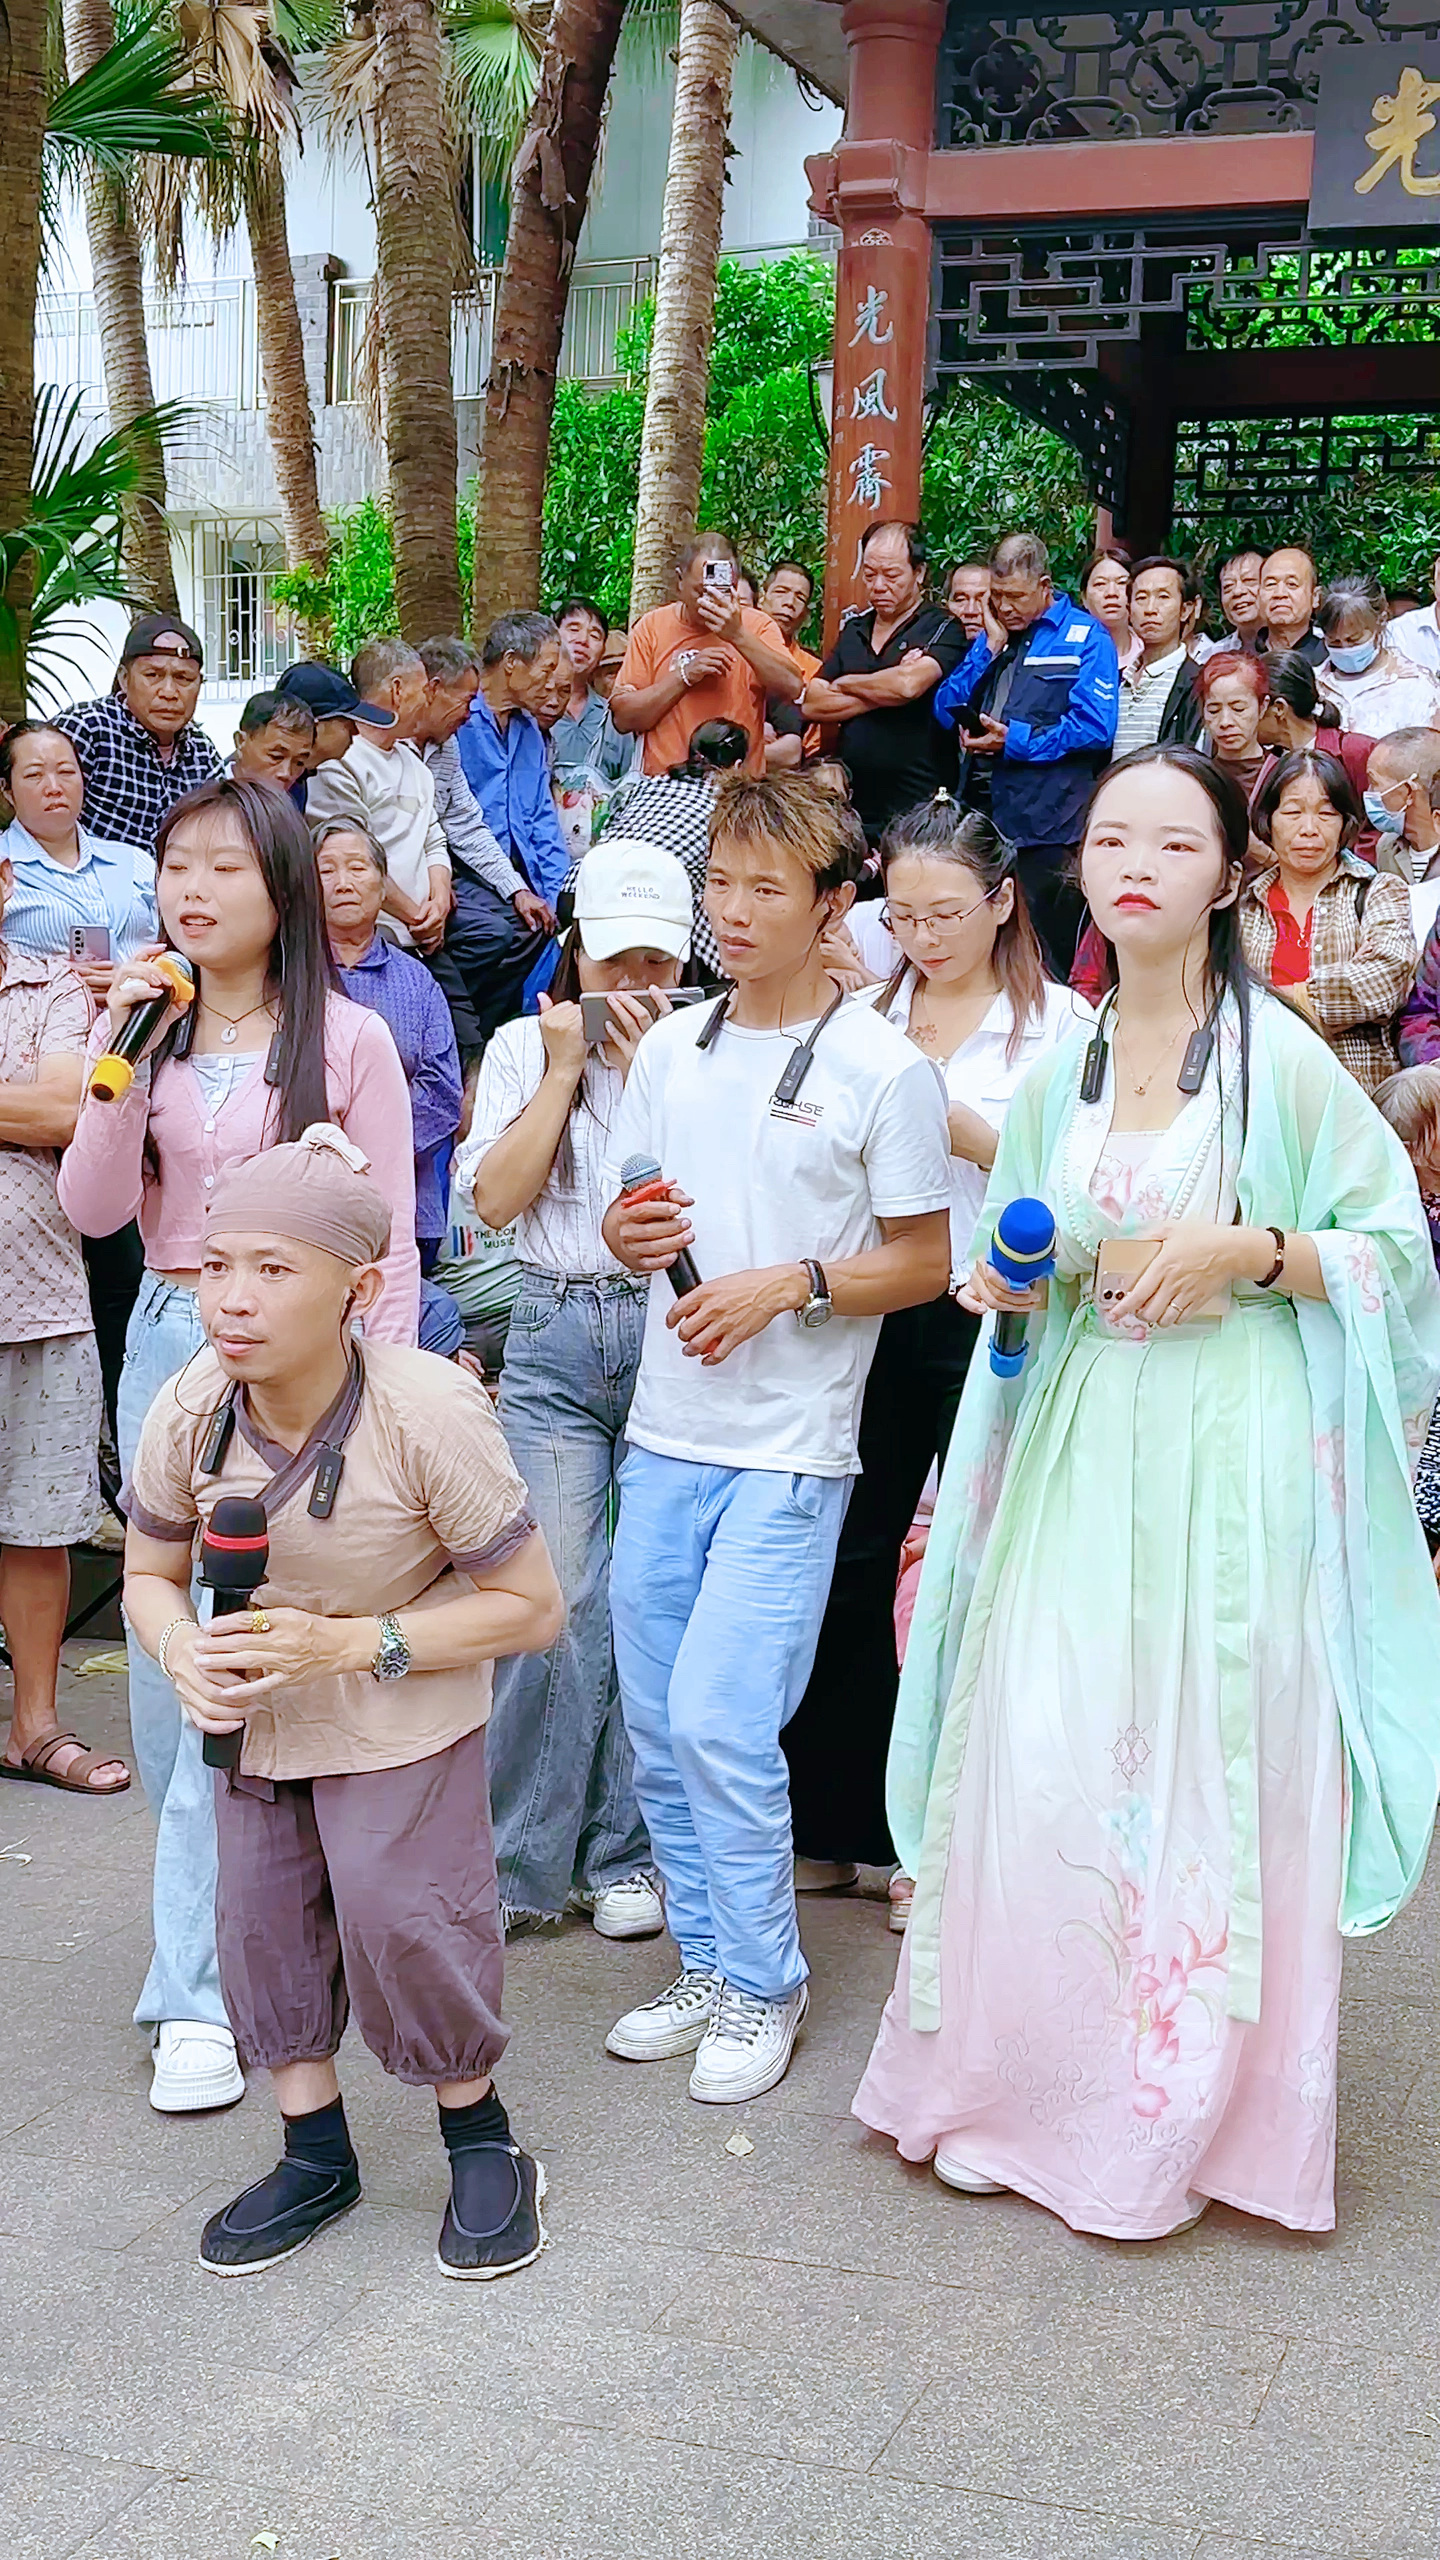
column 562, row 1787
column 717, row 1589
column 184, row 1979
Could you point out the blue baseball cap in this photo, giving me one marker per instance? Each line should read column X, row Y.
column 330, row 696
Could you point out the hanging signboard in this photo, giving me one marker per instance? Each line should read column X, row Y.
column 1377, row 140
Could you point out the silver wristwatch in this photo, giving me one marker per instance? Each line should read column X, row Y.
column 817, row 1309
column 392, row 1661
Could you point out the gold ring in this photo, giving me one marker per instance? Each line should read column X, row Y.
column 259, row 1623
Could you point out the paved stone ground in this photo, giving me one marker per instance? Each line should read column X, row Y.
column 805, row 2350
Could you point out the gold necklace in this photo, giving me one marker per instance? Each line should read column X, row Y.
column 1151, row 1073
column 232, row 1021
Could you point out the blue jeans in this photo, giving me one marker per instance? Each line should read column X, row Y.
column 184, row 1978
column 718, row 1587
column 562, row 1788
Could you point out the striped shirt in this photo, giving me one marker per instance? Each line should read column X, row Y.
column 111, row 885
column 129, row 786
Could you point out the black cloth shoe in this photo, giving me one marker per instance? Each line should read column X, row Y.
column 277, row 2216
column 513, row 2237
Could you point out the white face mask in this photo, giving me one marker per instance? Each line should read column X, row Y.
column 1354, row 661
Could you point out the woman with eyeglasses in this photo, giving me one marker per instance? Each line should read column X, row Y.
column 970, row 991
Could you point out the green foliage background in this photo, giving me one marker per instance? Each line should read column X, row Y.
column 987, row 470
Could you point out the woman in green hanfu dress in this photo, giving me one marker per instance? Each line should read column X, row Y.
column 1169, row 1723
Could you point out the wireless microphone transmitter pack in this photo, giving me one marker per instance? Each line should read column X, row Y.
column 1022, row 1250
column 234, row 1560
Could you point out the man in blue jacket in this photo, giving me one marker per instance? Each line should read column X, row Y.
column 1035, row 699
column 506, row 761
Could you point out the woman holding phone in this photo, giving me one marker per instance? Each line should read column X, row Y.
column 567, row 1826
column 269, row 1047
column 68, row 883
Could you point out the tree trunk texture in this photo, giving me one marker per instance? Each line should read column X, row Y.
column 416, row 256
column 550, row 187
column 289, row 419
column 22, row 140
column 673, row 443
column 118, row 282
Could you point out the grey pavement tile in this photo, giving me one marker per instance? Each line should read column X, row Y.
column 53, row 2298
column 45, row 2063
column 588, row 2497
column 583, row 2281
column 753, row 2401
column 47, row 2503
column 1341, row 2494
column 117, row 2128
column 48, row 1919
column 42, row 2199
column 97, row 1984
column 1224, row 2546
column 206, row 2520
column 415, row 2454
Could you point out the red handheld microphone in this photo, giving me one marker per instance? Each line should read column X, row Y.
column 234, row 1560
column 642, row 1179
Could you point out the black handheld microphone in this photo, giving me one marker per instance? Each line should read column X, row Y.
column 234, row 1560
column 642, row 1179
column 114, row 1074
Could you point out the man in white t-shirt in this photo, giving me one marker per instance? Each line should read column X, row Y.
column 807, row 1141
column 382, row 783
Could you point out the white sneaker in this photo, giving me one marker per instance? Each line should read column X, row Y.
column 825, row 1875
column 673, row 2022
column 953, row 2170
column 630, row 1909
column 195, row 2067
column 748, row 2046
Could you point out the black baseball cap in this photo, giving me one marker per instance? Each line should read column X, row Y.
column 330, row 696
column 161, row 635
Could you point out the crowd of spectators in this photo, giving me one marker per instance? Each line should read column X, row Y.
column 377, row 892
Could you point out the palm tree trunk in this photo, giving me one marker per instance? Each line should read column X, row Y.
column 550, row 187
column 289, row 420
column 22, row 140
column 118, row 282
column 416, row 258
column 672, row 448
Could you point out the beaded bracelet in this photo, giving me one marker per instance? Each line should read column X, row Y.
column 162, row 1650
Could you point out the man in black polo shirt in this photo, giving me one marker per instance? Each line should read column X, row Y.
column 880, row 680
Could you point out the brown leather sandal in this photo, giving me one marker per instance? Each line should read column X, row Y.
column 35, row 1767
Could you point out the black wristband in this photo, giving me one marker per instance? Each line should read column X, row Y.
column 1278, row 1265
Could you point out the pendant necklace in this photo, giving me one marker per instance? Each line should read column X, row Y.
column 230, row 1031
column 1136, row 1086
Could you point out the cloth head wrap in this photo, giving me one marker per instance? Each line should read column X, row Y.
column 318, row 1191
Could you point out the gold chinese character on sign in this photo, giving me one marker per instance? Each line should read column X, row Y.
column 1401, row 124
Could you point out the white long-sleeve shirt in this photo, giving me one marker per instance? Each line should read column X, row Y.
column 392, row 792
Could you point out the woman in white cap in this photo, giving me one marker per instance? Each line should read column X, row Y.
column 568, row 1830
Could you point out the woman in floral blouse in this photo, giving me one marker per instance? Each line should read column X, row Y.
column 1318, row 924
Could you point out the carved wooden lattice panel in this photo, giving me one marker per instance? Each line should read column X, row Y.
column 1114, row 75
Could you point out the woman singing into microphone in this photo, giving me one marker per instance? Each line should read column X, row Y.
column 1167, row 1726
column 269, row 1047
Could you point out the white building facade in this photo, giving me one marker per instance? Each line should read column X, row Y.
column 223, row 502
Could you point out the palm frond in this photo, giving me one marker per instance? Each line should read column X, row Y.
column 232, row 49
column 303, row 26
column 139, row 97
column 493, row 50
column 345, row 83
column 80, row 490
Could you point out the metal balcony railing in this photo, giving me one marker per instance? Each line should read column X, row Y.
column 202, row 345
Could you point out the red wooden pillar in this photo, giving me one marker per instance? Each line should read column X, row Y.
column 873, row 187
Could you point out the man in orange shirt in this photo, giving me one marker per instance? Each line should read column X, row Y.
column 705, row 657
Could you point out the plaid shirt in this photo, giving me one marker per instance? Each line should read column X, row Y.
column 1362, row 961
column 129, row 788
column 676, row 816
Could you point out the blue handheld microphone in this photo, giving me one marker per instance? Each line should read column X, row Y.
column 1022, row 1250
